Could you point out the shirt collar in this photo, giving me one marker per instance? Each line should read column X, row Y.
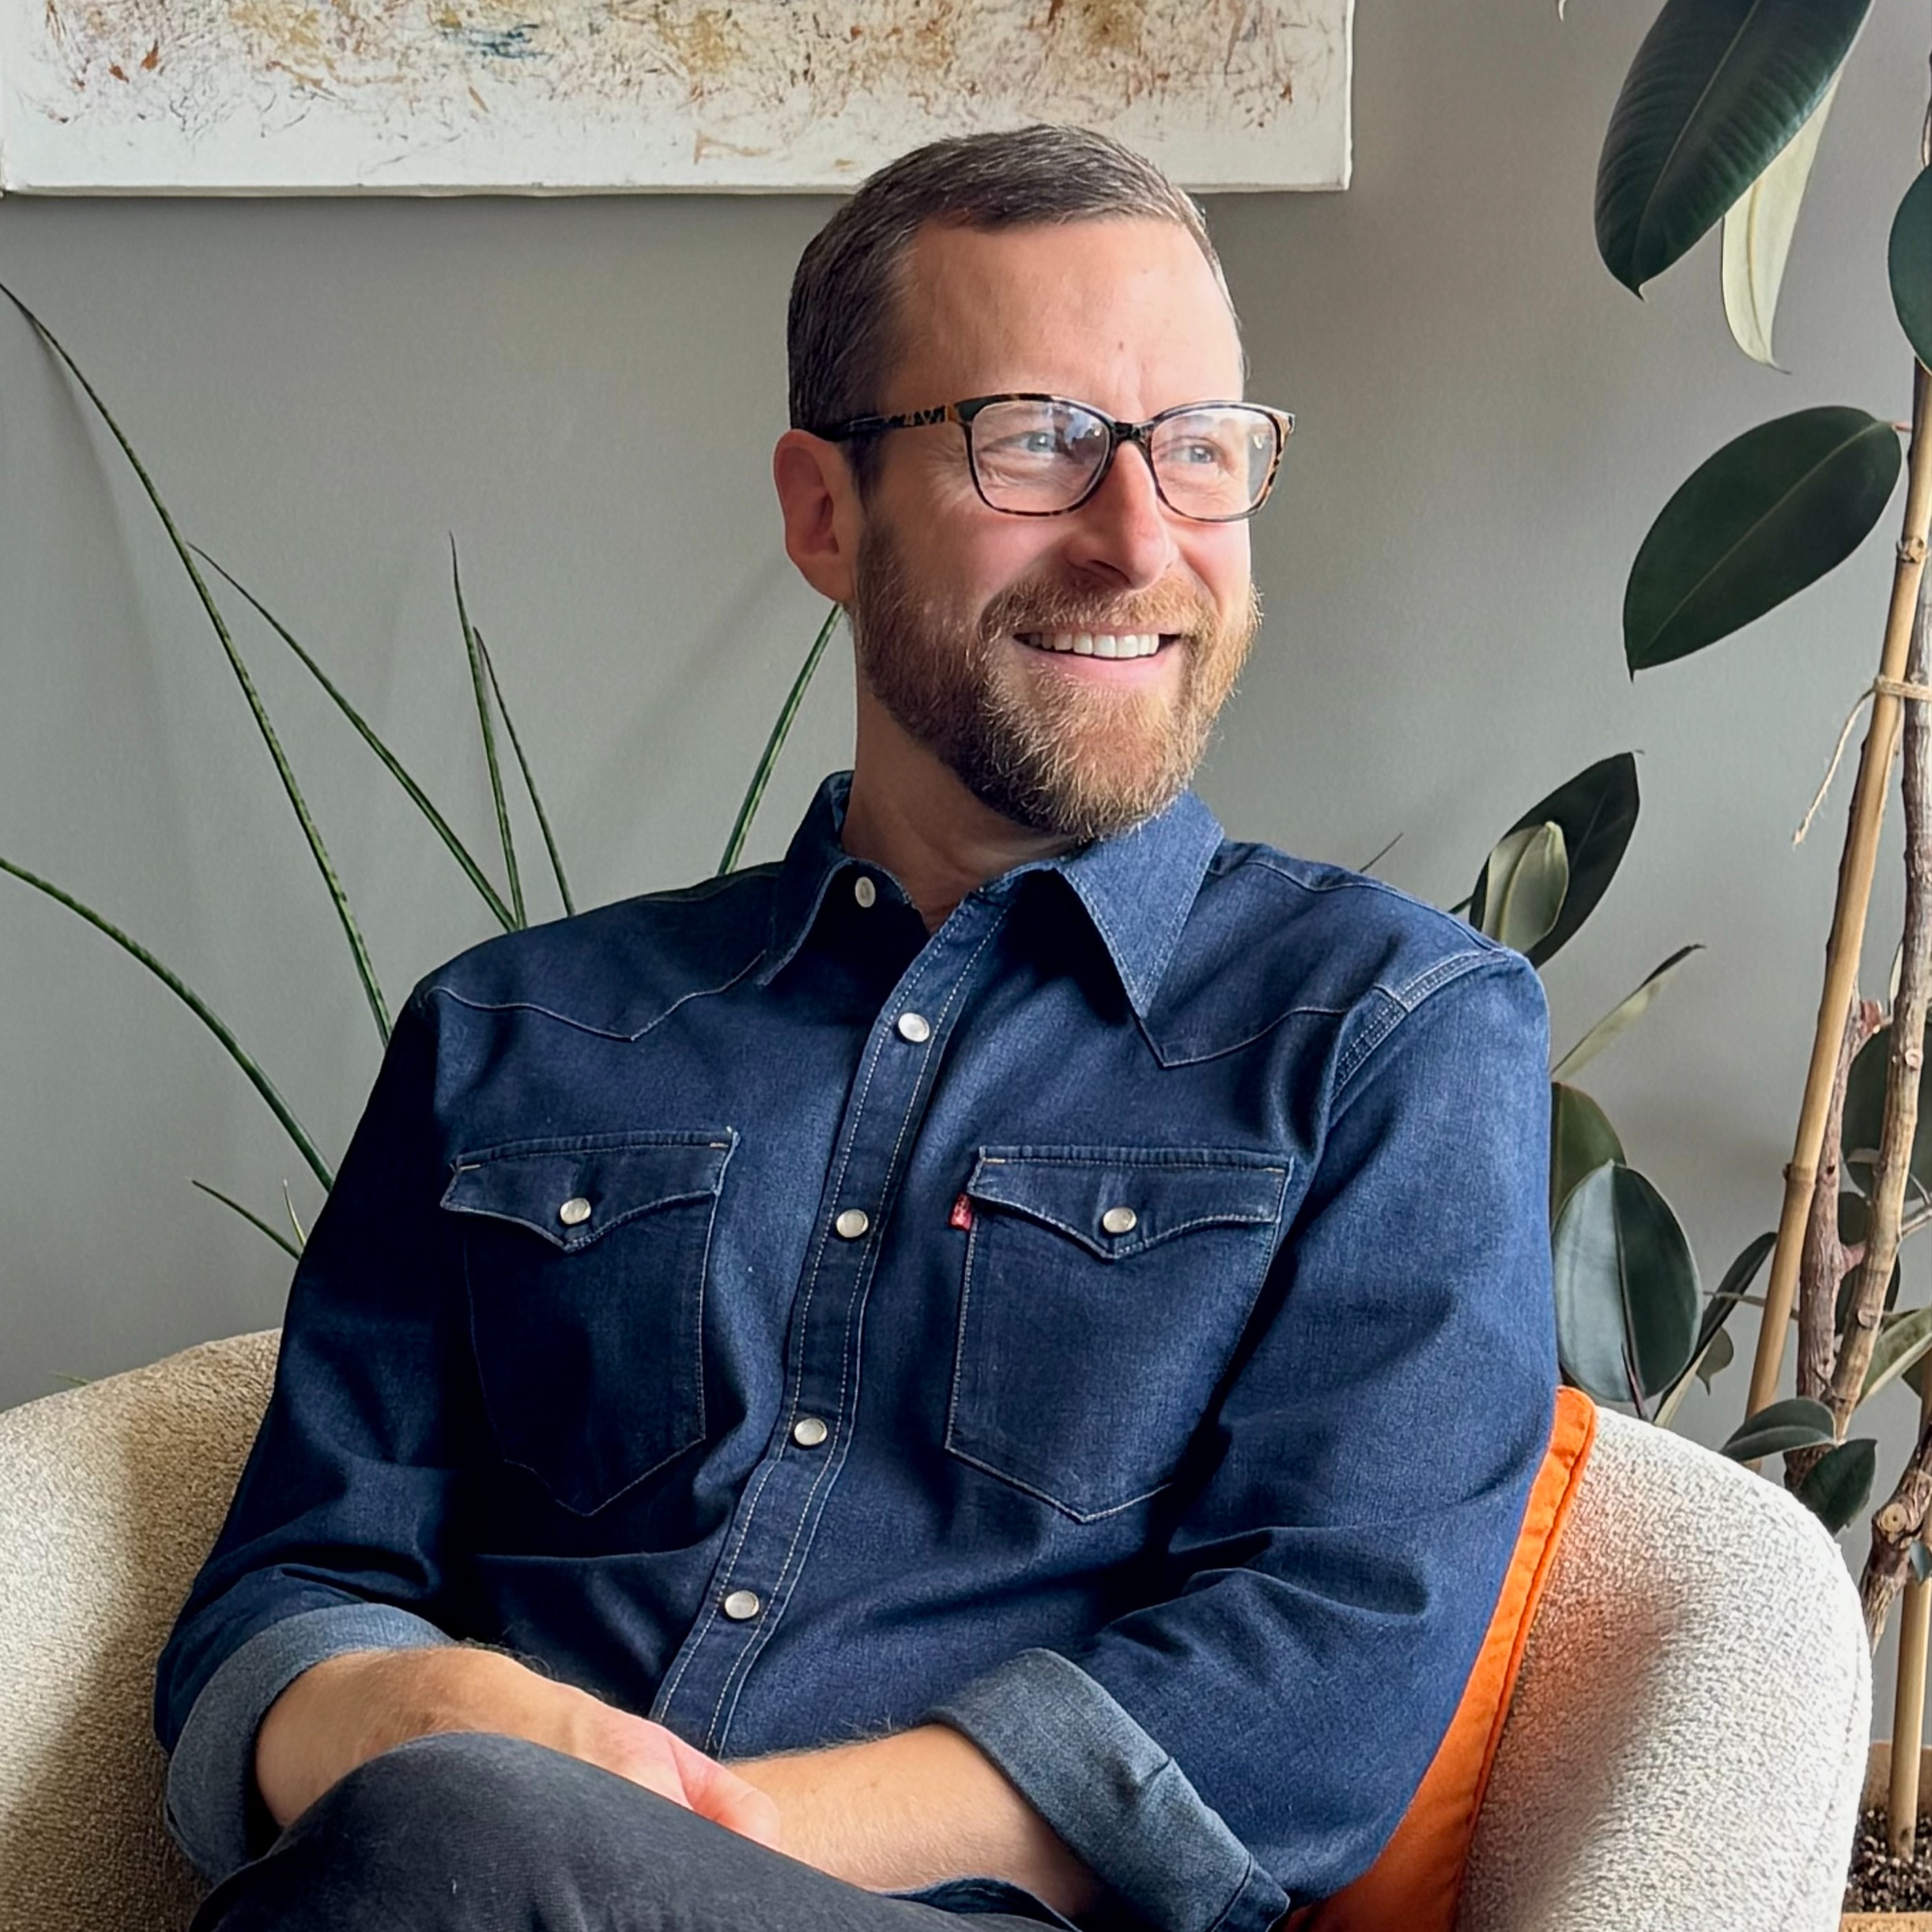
column 1137, row 889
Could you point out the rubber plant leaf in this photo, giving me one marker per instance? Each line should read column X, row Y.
column 1864, row 1118
column 197, row 1005
column 1626, row 1013
column 1757, row 235
column 1706, row 1357
column 359, row 950
column 1581, row 1140
column 1767, row 516
column 1717, row 90
column 1626, row 1284
column 1528, row 874
column 390, row 763
column 1598, row 811
column 1796, row 1423
column 1911, row 264
column 755, row 792
column 1854, row 1223
column 1838, row 1489
column 1901, row 1342
column 1920, row 1557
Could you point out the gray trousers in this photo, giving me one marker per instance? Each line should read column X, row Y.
column 467, row 1833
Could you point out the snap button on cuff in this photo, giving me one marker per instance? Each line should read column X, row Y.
column 1120, row 1220
column 865, row 892
column 574, row 1212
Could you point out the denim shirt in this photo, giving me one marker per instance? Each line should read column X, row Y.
column 1117, row 1326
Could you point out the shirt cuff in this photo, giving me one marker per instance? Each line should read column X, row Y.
column 212, row 1799
column 1123, row 1806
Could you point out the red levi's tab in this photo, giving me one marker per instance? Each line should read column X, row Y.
column 961, row 1216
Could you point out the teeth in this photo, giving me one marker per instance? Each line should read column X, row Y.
column 1098, row 643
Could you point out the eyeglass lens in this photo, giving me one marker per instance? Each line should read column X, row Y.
column 1211, row 463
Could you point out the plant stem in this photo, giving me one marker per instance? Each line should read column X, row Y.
column 1853, row 901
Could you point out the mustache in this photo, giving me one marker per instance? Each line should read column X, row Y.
column 1173, row 609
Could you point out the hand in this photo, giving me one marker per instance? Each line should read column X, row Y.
column 340, row 1714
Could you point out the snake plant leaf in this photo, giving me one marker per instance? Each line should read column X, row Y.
column 1770, row 514
column 1528, row 874
column 1581, row 1140
column 1839, row 1488
column 1757, row 235
column 1626, row 1294
column 755, row 792
column 1796, row 1423
column 390, row 763
column 529, row 778
column 197, row 1005
column 1717, row 90
column 253, row 1220
column 1625, row 1014
column 365, row 970
column 1902, row 1341
column 1910, row 260
column 478, row 686
column 1598, row 811
column 1864, row 1118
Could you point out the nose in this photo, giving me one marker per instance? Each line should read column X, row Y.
column 1123, row 533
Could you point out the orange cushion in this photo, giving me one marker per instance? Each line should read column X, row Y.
column 1415, row 1885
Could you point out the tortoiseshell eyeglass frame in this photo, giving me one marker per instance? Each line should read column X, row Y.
column 1139, row 434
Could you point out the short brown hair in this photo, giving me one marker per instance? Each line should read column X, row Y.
column 839, row 334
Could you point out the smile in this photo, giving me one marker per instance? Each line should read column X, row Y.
column 1096, row 643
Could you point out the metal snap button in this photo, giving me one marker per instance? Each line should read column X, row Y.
column 865, row 892
column 807, row 1432
column 742, row 1606
column 574, row 1212
column 915, row 1027
column 853, row 1223
column 1120, row 1220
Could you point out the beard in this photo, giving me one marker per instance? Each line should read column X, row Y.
column 1047, row 750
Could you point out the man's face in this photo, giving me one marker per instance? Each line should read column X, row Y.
column 957, row 607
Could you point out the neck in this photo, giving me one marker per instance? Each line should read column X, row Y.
column 910, row 815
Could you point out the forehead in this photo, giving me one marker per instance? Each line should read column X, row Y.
column 1123, row 312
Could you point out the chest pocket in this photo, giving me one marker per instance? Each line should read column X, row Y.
column 1106, row 1289
column 585, row 1263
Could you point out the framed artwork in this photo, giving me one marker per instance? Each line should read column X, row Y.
column 454, row 97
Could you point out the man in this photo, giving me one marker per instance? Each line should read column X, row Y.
column 993, row 1367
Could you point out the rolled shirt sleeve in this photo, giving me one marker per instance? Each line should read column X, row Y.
column 335, row 1540
column 1252, row 1740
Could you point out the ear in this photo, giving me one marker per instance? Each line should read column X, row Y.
column 819, row 501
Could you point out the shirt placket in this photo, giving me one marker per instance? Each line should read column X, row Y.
column 784, row 1497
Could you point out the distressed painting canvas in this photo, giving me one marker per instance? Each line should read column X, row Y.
column 471, row 96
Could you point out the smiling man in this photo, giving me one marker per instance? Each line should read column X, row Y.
column 991, row 1368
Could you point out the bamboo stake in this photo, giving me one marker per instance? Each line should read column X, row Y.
column 1853, row 901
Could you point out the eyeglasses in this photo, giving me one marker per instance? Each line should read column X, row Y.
column 1041, row 456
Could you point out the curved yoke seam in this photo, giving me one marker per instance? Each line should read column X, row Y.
column 584, row 1026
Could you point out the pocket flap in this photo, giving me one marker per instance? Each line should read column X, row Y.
column 572, row 1192
column 1118, row 1201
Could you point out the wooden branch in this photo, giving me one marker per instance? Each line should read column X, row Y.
column 1895, row 1526
column 1852, row 902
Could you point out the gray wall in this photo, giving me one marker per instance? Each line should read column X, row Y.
column 586, row 393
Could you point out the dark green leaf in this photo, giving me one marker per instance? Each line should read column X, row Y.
column 529, row 777
column 1716, row 1356
column 197, row 1005
column 1597, row 810
column 1626, row 1296
column 1528, row 874
column 473, row 650
column 1854, row 1221
column 1920, row 1557
column 755, row 792
column 1838, row 1488
column 1902, row 1339
column 1865, row 1120
column 1769, row 515
column 1581, row 1139
column 1796, row 1423
column 1717, row 89
column 1911, row 263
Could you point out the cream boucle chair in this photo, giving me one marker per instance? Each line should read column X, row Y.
column 1685, row 1749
